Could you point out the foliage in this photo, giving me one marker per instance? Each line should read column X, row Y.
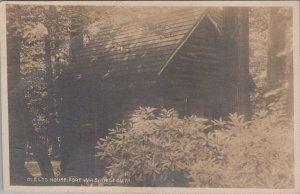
column 157, row 148
column 252, row 153
column 35, row 25
column 260, row 42
column 258, row 55
column 153, row 149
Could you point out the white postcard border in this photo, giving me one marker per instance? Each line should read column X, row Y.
column 60, row 189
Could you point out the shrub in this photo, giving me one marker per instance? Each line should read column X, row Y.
column 157, row 148
column 256, row 154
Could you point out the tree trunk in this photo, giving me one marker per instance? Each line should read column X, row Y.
column 52, row 131
column 236, row 48
column 275, row 68
column 13, row 61
column 280, row 55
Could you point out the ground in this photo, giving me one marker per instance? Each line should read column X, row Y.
column 34, row 169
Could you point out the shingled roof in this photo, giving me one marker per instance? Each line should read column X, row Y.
column 136, row 52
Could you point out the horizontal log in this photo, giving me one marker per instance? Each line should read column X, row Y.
column 149, row 64
column 193, row 81
column 189, row 75
column 131, row 64
column 202, row 45
column 198, row 54
column 131, row 53
column 196, row 66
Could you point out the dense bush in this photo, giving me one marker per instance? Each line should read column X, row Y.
column 157, row 148
column 259, row 154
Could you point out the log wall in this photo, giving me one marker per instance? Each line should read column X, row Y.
column 194, row 80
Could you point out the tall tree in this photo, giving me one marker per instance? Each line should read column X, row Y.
column 278, row 41
column 236, row 48
column 280, row 53
column 13, row 45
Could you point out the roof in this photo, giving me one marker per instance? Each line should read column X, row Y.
column 137, row 50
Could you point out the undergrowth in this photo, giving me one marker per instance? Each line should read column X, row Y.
column 158, row 148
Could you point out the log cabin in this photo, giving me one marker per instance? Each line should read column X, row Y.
column 174, row 60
